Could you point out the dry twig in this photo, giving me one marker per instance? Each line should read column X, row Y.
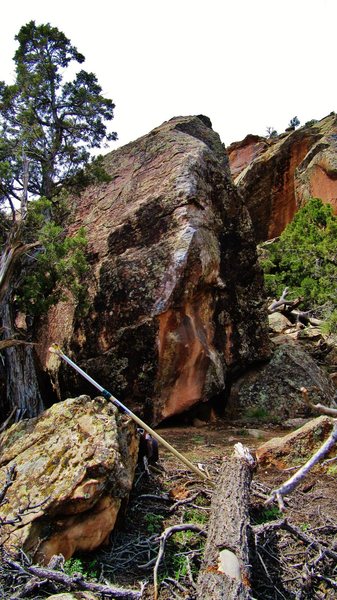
column 163, row 539
column 76, row 581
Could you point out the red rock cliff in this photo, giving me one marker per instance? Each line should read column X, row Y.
column 276, row 176
column 175, row 292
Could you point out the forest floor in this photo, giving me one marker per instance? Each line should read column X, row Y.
column 295, row 562
column 293, row 555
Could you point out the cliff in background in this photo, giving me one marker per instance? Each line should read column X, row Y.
column 175, row 292
column 276, row 176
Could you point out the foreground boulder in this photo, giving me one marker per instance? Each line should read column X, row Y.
column 75, row 464
column 272, row 392
column 277, row 175
column 175, row 294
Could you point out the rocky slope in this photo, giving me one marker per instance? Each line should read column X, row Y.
column 175, row 293
column 275, row 176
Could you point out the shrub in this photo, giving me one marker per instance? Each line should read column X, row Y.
column 304, row 258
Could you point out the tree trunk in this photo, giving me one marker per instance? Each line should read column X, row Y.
column 22, row 388
column 225, row 573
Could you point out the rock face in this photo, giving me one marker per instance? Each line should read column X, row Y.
column 75, row 463
column 241, row 154
column 273, row 391
column 277, row 175
column 175, row 293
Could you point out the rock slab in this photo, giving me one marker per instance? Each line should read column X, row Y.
column 296, row 447
column 75, row 464
column 277, row 175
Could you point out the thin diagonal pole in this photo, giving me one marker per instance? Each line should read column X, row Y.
column 55, row 349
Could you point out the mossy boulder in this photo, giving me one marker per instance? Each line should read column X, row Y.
column 272, row 392
column 74, row 466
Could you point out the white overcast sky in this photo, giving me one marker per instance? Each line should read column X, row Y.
column 246, row 64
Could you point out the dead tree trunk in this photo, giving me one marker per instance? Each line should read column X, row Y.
column 225, row 573
column 22, row 390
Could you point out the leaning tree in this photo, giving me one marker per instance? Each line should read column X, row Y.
column 48, row 126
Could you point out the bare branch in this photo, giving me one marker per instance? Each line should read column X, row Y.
column 321, row 408
column 293, row 482
column 76, row 581
column 282, row 302
column 163, row 539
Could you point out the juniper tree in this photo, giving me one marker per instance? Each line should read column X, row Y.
column 44, row 119
column 48, row 126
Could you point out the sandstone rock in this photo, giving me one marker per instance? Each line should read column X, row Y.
column 278, row 323
column 281, row 176
column 176, row 296
column 316, row 176
column 241, row 154
column 75, row 463
column 296, row 447
column 272, row 392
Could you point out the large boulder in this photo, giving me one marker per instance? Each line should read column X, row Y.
column 275, row 176
column 175, row 293
column 273, row 391
column 74, row 467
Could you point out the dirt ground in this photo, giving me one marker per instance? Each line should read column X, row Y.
column 293, row 555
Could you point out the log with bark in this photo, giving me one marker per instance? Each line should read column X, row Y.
column 225, row 571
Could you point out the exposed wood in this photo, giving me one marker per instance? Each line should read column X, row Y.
column 320, row 408
column 12, row 252
column 283, row 302
column 225, row 571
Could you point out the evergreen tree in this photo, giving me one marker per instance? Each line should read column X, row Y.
column 304, row 258
column 48, row 125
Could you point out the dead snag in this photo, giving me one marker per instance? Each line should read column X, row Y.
column 224, row 573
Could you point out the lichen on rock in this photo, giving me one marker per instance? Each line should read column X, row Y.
column 75, row 464
column 172, row 251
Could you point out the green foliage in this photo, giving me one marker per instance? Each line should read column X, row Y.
column 332, row 470
column 294, row 122
column 46, row 120
column 59, row 262
column 176, row 562
column 72, row 566
column 268, row 514
column 304, row 259
column 154, row 523
column 330, row 324
column 193, row 515
column 311, row 122
column 77, row 565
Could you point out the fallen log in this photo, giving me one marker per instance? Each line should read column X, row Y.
column 225, row 571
